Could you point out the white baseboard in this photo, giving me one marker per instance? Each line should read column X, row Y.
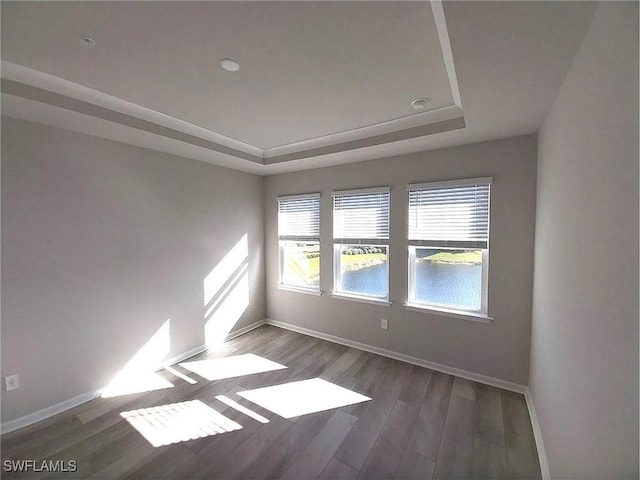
column 65, row 405
column 48, row 412
column 476, row 377
column 537, row 433
column 243, row 330
column 45, row 413
column 183, row 356
column 458, row 372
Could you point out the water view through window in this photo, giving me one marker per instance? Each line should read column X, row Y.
column 449, row 278
column 443, row 277
column 363, row 270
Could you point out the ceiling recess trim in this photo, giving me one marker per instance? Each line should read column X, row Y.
column 17, row 89
column 365, row 133
column 37, row 96
column 51, row 83
column 33, row 111
column 391, row 137
column 445, row 45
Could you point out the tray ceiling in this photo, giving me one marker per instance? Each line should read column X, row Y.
column 319, row 82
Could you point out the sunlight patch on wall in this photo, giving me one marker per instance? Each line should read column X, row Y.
column 138, row 375
column 228, row 311
column 229, row 367
column 226, row 293
column 178, row 422
column 300, row 398
column 226, row 267
column 135, row 383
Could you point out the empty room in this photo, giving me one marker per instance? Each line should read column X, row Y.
column 319, row 240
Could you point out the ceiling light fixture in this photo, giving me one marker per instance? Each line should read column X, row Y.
column 87, row 40
column 229, row 65
column 419, row 103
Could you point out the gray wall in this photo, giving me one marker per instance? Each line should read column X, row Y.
column 584, row 354
column 500, row 349
column 101, row 244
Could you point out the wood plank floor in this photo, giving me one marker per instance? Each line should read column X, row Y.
column 419, row 424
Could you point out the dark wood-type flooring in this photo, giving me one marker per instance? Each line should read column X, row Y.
column 419, row 424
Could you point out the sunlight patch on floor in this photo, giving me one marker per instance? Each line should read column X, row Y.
column 178, row 422
column 181, row 375
column 229, row 367
column 300, row 398
column 242, row 409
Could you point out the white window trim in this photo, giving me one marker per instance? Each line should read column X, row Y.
column 309, row 291
column 451, row 183
column 361, row 191
column 447, row 312
column 338, row 242
column 362, row 299
column 284, row 286
column 481, row 315
column 299, row 196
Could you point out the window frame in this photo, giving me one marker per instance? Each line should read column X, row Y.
column 301, row 239
column 362, row 241
column 413, row 244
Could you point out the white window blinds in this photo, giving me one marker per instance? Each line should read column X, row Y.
column 299, row 217
column 361, row 216
column 450, row 214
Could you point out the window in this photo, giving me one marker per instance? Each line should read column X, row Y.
column 299, row 241
column 449, row 244
column 361, row 243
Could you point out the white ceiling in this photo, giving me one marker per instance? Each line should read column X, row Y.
column 320, row 83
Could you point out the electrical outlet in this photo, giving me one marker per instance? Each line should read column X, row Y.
column 12, row 382
column 384, row 324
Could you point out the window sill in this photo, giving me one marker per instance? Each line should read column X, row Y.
column 356, row 298
column 308, row 291
column 471, row 316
